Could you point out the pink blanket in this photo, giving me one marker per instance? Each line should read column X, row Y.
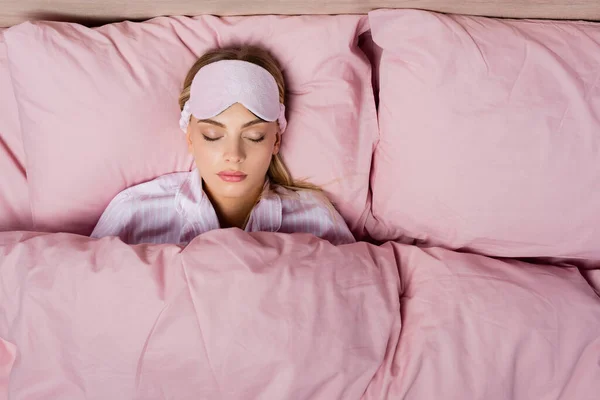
column 480, row 328
column 231, row 316
column 273, row 316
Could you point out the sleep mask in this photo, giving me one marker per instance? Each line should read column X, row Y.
column 219, row 85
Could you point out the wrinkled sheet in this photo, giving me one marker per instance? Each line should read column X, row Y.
column 474, row 327
column 268, row 316
column 232, row 316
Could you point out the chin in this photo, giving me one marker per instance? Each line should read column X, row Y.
column 233, row 190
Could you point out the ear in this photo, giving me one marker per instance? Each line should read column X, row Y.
column 277, row 145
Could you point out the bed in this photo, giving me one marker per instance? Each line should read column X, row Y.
column 460, row 141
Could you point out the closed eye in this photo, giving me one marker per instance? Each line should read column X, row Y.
column 209, row 139
column 257, row 140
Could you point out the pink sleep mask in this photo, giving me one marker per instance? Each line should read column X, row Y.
column 221, row 84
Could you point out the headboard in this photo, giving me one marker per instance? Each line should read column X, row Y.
column 102, row 11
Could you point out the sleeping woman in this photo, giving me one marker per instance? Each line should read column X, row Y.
column 233, row 117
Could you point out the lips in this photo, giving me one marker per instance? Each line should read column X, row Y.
column 232, row 176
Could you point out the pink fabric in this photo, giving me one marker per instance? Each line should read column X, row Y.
column 219, row 85
column 233, row 315
column 174, row 209
column 489, row 134
column 7, row 359
column 102, row 114
column 373, row 53
column 592, row 276
column 15, row 212
column 269, row 315
column 480, row 328
column 14, row 202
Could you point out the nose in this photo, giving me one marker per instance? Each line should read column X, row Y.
column 234, row 153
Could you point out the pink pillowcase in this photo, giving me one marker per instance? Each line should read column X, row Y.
column 15, row 213
column 489, row 134
column 102, row 114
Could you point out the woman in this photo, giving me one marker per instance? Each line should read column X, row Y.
column 233, row 117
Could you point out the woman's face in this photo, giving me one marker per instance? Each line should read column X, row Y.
column 233, row 151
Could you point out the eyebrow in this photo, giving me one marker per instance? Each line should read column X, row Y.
column 220, row 125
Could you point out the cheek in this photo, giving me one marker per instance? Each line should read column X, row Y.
column 261, row 155
column 205, row 154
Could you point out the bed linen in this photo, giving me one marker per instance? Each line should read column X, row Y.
column 232, row 315
column 267, row 315
column 15, row 213
column 103, row 115
column 475, row 327
column 489, row 134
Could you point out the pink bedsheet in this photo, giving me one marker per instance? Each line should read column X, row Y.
column 266, row 315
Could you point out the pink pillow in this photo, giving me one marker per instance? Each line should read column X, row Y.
column 102, row 114
column 15, row 213
column 474, row 327
column 373, row 54
column 489, row 134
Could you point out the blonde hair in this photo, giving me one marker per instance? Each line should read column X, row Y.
column 277, row 172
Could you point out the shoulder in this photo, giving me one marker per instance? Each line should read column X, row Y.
column 308, row 203
column 164, row 185
column 312, row 212
column 160, row 190
column 294, row 199
column 138, row 212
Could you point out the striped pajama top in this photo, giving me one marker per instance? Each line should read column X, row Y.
column 173, row 208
